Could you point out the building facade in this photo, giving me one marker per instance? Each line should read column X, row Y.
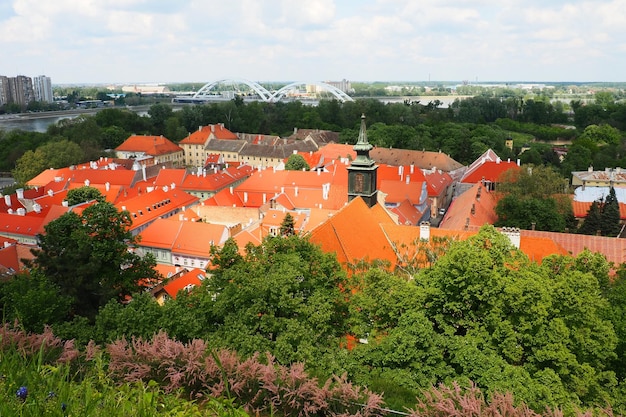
column 42, row 87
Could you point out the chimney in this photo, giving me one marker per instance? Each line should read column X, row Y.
column 7, row 200
column 21, row 211
column 20, row 193
column 213, row 128
column 408, row 179
column 107, row 186
column 231, row 189
column 37, row 208
column 425, row 231
column 513, row 234
column 143, row 171
column 87, row 183
column 65, row 203
column 412, row 168
column 296, row 190
column 519, row 162
column 245, row 196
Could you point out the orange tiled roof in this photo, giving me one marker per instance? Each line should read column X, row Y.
column 160, row 202
column 489, row 171
column 581, row 208
column 205, row 133
column 437, row 182
column 169, row 176
column 475, row 207
column 49, row 175
column 150, row 145
column 192, row 278
column 354, row 234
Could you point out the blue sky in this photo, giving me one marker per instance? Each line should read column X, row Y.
column 152, row 41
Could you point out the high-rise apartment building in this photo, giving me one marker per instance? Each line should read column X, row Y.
column 4, row 90
column 43, row 89
column 21, row 90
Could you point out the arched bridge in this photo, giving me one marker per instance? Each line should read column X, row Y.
column 301, row 90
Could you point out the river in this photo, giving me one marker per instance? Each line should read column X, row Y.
column 39, row 124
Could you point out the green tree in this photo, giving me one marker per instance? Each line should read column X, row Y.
column 296, row 162
column 533, row 196
column 593, row 221
column 83, row 194
column 88, row 257
column 56, row 154
column 287, row 227
column 610, row 224
column 32, row 300
column 284, row 297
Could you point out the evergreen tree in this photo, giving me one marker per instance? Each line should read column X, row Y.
column 593, row 221
column 610, row 215
column 287, row 226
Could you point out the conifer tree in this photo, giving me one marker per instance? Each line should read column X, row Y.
column 610, row 215
column 592, row 223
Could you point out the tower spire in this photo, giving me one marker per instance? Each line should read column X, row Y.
column 362, row 171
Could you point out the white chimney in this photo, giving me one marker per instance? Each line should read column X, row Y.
column 107, row 186
column 231, row 189
column 37, row 208
column 513, row 233
column 296, row 190
column 408, row 179
column 20, row 193
column 425, row 231
column 212, row 128
column 143, row 171
column 245, row 196
column 87, row 183
column 7, row 200
column 412, row 168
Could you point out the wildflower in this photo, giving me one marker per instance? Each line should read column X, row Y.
column 22, row 393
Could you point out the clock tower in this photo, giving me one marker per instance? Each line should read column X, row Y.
column 362, row 171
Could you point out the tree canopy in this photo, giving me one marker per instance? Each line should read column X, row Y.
column 87, row 256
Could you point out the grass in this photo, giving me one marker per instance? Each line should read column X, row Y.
column 59, row 390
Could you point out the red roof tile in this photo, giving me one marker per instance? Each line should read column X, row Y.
column 475, row 207
column 150, row 145
column 354, row 234
column 188, row 280
column 489, row 171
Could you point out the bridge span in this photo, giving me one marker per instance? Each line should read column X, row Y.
column 229, row 88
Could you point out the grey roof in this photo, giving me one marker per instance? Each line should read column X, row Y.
column 218, row 145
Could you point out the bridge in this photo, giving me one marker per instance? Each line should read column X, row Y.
column 229, row 88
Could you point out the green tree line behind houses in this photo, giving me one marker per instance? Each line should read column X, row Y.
column 464, row 130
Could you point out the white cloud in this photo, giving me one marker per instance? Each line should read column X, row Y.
column 196, row 40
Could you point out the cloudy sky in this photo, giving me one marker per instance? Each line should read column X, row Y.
column 132, row 41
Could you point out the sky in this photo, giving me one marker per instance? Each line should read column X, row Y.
column 168, row 41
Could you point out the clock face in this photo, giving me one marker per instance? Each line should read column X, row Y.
column 359, row 182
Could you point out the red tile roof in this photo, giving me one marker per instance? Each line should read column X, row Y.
column 183, row 237
column 205, row 133
column 581, row 208
column 150, row 145
column 489, row 171
column 475, row 207
column 161, row 202
column 354, row 234
column 188, row 280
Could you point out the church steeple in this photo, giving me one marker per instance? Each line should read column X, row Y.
column 362, row 171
